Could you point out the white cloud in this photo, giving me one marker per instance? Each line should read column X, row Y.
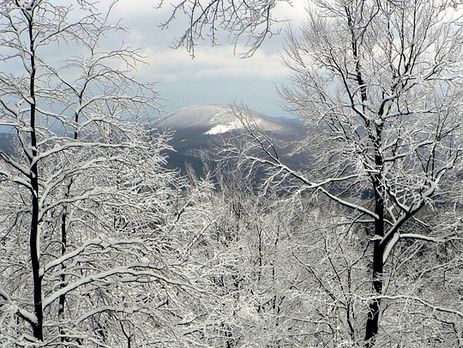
column 219, row 62
column 216, row 75
column 293, row 11
column 212, row 63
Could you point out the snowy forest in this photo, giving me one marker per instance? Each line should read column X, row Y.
column 348, row 235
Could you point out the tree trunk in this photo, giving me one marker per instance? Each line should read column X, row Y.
column 37, row 327
column 62, row 298
column 34, row 238
column 374, row 308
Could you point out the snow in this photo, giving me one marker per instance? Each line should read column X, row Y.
column 199, row 116
column 219, row 119
column 224, row 128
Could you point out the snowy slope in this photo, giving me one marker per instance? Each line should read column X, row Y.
column 219, row 119
column 201, row 128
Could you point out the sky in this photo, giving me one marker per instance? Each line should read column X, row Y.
column 216, row 75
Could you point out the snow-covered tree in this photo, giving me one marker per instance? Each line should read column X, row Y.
column 379, row 84
column 87, row 254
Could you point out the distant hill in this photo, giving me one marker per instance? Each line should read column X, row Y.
column 6, row 142
column 202, row 128
column 220, row 119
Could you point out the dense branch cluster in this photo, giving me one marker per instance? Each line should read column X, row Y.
column 382, row 82
column 248, row 22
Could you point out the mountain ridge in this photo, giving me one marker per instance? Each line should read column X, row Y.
column 203, row 128
column 221, row 119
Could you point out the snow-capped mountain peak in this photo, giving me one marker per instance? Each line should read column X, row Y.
column 224, row 128
column 218, row 119
column 202, row 128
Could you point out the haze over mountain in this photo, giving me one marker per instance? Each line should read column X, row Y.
column 219, row 119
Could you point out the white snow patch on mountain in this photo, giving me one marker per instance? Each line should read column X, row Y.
column 224, row 128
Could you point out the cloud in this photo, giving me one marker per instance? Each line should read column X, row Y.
column 218, row 62
column 292, row 11
column 144, row 20
column 216, row 75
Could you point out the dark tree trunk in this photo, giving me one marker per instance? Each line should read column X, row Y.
column 374, row 308
column 34, row 238
column 62, row 298
column 35, row 258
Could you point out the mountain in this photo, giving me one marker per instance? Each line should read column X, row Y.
column 6, row 142
column 202, row 128
column 220, row 119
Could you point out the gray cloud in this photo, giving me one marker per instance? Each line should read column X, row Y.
column 216, row 75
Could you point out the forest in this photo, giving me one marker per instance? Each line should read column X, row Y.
column 358, row 245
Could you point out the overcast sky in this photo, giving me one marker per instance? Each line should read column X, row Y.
column 215, row 75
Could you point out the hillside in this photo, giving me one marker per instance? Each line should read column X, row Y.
column 202, row 128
